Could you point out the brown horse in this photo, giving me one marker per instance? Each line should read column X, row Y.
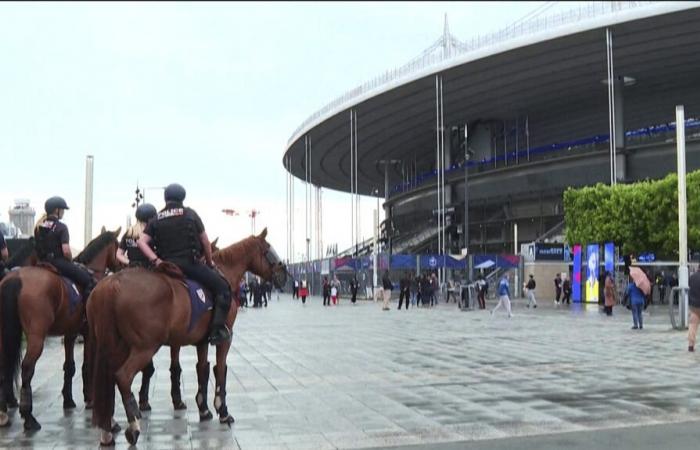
column 133, row 313
column 175, row 371
column 35, row 300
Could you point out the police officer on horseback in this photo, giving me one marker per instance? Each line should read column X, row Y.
column 180, row 238
column 51, row 242
column 129, row 252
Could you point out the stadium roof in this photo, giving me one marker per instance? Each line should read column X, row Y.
column 550, row 68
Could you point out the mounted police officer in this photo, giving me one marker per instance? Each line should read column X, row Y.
column 179, row 237
column 51, row 242
column 129, row 252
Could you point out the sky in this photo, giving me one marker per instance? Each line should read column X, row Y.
column 203, row 94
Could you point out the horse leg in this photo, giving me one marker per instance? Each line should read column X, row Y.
column 220, row 376
column 203, row 381
column 136, row 361
column 146, row 375
column 35, row 346
column 8, row 390
column 175, row 372
column 68, row 372
column 86, row 370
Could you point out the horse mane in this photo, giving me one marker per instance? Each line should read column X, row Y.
column 95, row 247
column 22, row 254
column 232, row 254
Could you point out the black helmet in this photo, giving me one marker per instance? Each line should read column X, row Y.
column 174, row 193
column 145, row 212
column 54, row 203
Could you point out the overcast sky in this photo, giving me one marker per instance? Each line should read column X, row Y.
column 201, row 94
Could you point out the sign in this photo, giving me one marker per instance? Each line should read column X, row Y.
column 610, row 257
column 549, row 252
column 593, row 260
column 576, row 281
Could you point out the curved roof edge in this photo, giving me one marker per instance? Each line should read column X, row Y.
column 574, row 26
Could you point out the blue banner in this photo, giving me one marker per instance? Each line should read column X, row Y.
column 576, row 276
column 610, row 258
column 403, row 262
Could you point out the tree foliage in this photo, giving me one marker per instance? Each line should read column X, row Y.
column 639, row 217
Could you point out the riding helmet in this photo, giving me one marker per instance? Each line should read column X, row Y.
column 55, row 203
column 174, row 193
column 145, row 212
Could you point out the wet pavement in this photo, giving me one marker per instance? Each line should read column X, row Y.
column 314, row 377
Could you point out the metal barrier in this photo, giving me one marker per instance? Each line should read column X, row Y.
column 679, row 321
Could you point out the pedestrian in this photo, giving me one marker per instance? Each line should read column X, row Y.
column 243, row 293
column 257, row 294
column 335, row 285
column 609, row 294
column 434, row 289
column 503, row 296
column 566, row 291
column 404, row 290
column 415, row 288
column 303, row 291
column 557, row 289
column 694, row 306
column 531, row 292
column 326, row 290
column 252, row 287
column 481, row 286
column 353, row 289
column 636, row 301
column 387, row 287
column 451, row 291
column 295, row 290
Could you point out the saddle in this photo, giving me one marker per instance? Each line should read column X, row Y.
column 201, row 299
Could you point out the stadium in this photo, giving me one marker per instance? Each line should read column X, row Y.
column 505, row 123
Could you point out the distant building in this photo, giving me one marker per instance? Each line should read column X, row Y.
column 22, row 216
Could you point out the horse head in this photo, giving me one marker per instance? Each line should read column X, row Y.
column 101, row 253
column 266, row 262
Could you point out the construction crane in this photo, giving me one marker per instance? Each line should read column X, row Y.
column 252, row 214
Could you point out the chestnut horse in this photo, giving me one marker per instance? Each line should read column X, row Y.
column 135, row 312
column 35, row 300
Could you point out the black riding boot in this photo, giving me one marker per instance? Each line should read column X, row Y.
column 219, row 331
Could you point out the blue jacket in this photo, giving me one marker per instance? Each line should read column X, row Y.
column 636, row 295
column 503, row 287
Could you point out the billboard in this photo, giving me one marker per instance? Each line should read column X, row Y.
column 610, row 257
column 592, row 262
column 576, row 276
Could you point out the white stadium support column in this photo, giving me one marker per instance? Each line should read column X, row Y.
column 682, row 217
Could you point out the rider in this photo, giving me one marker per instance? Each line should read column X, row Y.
column 179, row 237
column 51, row 242
column 128, row 252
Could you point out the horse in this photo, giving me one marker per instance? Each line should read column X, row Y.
column 34, row 300
column 24, row 256
column 133, row 313
column 175, row 371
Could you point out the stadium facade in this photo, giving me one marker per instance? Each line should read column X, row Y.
column 516, row 117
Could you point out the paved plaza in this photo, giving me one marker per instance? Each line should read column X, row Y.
column 309, row 377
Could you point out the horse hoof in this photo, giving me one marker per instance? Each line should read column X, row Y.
column 68, row 404
column 144, row 406
column 31, row 425
column 228, row 420
column 132, row 436
column 107, row 444
column 205, row 416
column 116, row 428
column 179, row 406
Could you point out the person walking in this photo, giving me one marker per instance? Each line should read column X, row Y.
column 609, row 294
column 481, row 291
column 557, row 289
column 694, row 306
column 303, row 291
column 531, row 292
column 415, row 288
column 404, row 290
column 295, row 289
column 353, row 289
column 387, row 287
column 566, row 291
column 636, row 298
column 243, row 293
column 503, row 296
column 326, row 292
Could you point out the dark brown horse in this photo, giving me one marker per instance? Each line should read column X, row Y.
column 35, row 301
column 133, row 313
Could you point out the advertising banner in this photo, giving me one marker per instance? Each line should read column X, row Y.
column 576, row 281
column 610, row 257
column 592, row 261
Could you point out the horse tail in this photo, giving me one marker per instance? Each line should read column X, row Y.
column 11, row 333
column 105, row 343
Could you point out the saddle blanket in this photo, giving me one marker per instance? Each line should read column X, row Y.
column 74, row 296
column 200, row 301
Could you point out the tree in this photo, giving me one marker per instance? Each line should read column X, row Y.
column 639, row 217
